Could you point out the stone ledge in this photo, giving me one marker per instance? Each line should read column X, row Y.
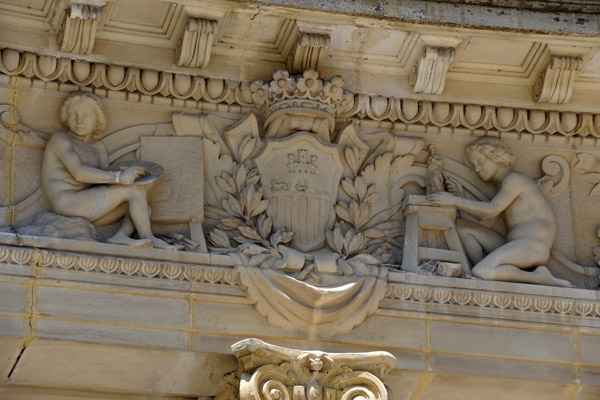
column 162, row 265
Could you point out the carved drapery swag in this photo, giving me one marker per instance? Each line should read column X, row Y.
column 337, row 308
column 271, row 372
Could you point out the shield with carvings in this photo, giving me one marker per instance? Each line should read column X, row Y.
column 300, row 175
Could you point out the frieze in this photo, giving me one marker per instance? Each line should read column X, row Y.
column 313, row 216
column 195, row 90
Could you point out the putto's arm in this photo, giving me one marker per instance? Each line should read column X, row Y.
column 485, row 209
column 510, row 189
column 63, row 150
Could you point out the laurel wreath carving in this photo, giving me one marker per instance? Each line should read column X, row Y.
column 359, row 237
column 242, row 211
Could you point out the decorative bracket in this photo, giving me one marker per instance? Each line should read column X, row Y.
column 555, row 83
column 271, row 372
column 429, row 74
column 196, row 43
column 309, row 51
column 78, row 33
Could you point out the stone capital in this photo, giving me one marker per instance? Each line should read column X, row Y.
column 273, row 372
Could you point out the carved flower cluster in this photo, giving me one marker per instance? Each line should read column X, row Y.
column 305, row 86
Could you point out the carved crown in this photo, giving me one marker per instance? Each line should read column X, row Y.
column 305, row 94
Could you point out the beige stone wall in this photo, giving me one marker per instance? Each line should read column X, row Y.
column 88, row 320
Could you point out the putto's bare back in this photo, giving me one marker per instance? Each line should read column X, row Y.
column 529, row 215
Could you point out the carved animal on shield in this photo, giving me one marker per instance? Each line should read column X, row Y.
column 278, row 185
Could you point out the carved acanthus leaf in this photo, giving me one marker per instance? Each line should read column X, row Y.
column 593, row 178
column 591, row 165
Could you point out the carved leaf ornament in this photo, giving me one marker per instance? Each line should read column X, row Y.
column 313, row 223
column 308, row 221
column 591, row 165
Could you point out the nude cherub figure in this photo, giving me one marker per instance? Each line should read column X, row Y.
column 527, row 214
column 75, row 183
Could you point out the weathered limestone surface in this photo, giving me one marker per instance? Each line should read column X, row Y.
column 413, row 203
column 543, row 15
column 96, row 323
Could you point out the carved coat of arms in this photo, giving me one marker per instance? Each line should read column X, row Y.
column 301, row 177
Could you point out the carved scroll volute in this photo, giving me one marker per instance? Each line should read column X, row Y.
column 361, row 385
column 272, row 382
column 556, row 176
column 269, row 382
column 275, row 373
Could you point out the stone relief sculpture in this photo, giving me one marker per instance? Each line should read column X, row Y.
column 596, row 250
column 90, row 182
column 528, row 216
column 76, row 182
column 311, row 222
column 312, row 215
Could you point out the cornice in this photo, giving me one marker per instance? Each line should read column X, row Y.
column 563, row 17
column 198, row 92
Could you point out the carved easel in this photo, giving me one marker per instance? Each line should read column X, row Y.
column 181, row 198
column 429, row 228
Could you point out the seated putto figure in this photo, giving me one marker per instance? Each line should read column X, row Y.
column 76, row 184
column 527, row 214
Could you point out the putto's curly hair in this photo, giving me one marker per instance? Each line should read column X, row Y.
column 493, row 149
column 98, row 109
